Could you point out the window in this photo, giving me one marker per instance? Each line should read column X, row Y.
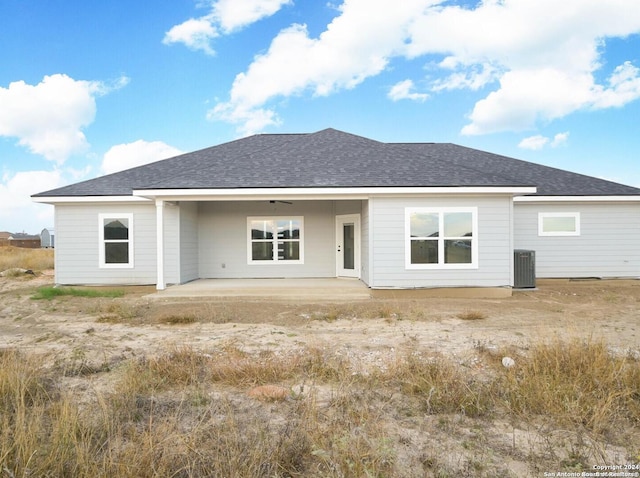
column 116, row 240
column 275, row 240
column 441, row 238
column 559, row 224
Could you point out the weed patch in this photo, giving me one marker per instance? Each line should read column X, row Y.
column 49, row 293
column 177, row 319
column 472, row 315
column 576, row 383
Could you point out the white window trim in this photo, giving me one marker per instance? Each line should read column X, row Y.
column 543, row 215
column 101, row 241
column 275, row 260
column 440, row 211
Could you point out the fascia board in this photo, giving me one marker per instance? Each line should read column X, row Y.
column 319, row 193
column 88, row 199
column 548, row 199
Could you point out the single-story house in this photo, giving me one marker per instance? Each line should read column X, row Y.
column 27, row 241
column 333, row 204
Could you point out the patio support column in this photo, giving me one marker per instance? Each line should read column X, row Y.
column 160, row 280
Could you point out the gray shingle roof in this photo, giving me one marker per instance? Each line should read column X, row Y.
column 331, row 158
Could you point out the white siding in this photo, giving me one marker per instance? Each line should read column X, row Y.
column 387, row 229
column 608, row 244
column 77, row 245
column 188, row 241
column 223, row 239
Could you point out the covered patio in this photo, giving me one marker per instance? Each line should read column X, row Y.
column 323, row 289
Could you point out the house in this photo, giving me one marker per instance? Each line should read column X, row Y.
column 24, row 240
column 4, row 238
column 48, row 237
column 332, row 204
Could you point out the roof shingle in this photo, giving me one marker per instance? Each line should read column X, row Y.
column 331, row 158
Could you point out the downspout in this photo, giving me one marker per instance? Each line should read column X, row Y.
column 160, row 280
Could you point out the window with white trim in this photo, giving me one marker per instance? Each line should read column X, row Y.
column 116, row 240
column 559, row 224
column 441, row 238
column 275, row 240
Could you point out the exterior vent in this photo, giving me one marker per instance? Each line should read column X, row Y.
column 524, row 265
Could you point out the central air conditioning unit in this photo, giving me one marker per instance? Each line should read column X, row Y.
column 524, row 268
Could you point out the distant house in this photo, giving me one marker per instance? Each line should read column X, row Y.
column 332, row 204
column 27, row 241
column 47, row 237
column 4, row 238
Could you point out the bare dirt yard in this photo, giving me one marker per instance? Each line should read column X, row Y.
column 607, row 310
column 371, row 419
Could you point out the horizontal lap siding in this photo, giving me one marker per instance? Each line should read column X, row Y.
column 223, row 239
column 387, row 226
column 608, row 244
column 77, row 245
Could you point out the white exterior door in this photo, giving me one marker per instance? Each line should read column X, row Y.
column 348, row 245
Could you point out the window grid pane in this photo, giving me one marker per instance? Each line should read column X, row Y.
column 424, row 252
column 458, row 224
column 288, row 250
column 425, row 225
column 116, row 252
column 457, row 252
column 116, row 229
column 262, row 251
column 261, row 230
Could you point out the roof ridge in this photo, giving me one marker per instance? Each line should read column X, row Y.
column 231, row 157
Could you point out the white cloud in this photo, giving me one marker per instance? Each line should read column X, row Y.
column 403, row 90
column 17, row 211
column 527, row 96
column 226, row 16
column 48, row 118
column 138, row 153
column 624, row 86
column 533, row 142
column 235, row 14
column 538, row 141
column 196, row 34
column 560, row 139
column 542, row 64
column 546, row 63
column 356, row 45
column 473, row 78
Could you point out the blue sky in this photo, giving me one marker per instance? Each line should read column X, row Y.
column 88, row 88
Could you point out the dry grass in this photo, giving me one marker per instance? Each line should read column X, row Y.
column 31, row 259
column 472, row 315
column 186, row 413
column 577, row 384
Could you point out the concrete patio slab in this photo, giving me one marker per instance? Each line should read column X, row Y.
column 326, row 290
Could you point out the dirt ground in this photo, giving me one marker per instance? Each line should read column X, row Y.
column 607, row 310
column 367, row 333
